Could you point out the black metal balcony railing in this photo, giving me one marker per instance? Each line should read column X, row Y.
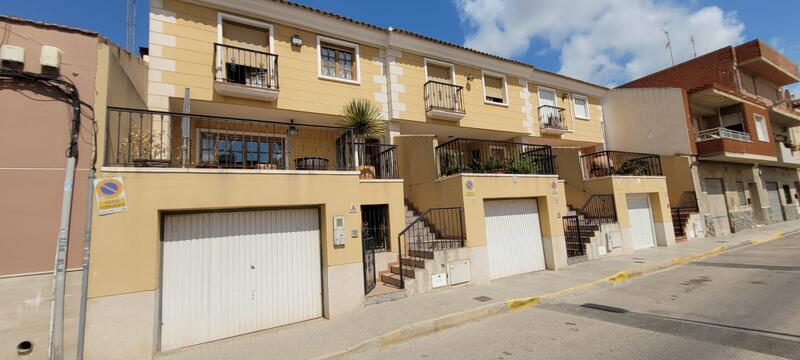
column 608, row 163
column 579, row 228
column 443, row 96
column 484, row 156
column 435, row 229
column 551, row 117
column 141, row 138
column 246, row 67
column 377, row 161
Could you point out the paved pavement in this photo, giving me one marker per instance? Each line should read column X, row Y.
column 736, row 305
column 392, row 321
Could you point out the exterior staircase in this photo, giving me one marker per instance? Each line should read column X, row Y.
column 422, row 241
column 582, row 225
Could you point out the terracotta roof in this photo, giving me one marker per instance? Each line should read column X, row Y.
column 427, row 38
column 48, row 25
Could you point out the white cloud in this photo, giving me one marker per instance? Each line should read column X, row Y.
column 604, row 41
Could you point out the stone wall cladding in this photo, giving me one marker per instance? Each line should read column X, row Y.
column 791, row 213
column 742, row 220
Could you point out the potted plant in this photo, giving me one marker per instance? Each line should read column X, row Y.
column 522, row 166
column 366, row 122
column 493, row 165
column 146, row 149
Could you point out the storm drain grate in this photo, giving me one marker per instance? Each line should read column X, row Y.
column 482, row 298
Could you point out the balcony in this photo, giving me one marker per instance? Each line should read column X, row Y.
column 443, row 101
column 153, row 139
column 552, row 120
column 495, row 157
column 758, row 58
column 620, row 163
column 722, row 133
column 788, row 153
column 245, row 73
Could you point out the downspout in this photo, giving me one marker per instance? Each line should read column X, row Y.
column 387, row 72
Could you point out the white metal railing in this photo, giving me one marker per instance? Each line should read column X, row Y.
column 722, row 133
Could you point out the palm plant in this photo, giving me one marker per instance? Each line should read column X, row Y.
column 364, row 118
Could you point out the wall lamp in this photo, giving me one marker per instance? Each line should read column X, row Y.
column 297, row 40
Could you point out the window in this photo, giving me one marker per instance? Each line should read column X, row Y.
column 761, row 128
column 231, row 150
column 740, row 192
column 787, row 194
column 581, row 104
column 494, row 89
column 338, row 60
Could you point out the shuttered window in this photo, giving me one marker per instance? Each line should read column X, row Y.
column 245, row 36
column 439, row 73
column 494, row 89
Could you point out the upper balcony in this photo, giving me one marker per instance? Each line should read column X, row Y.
column 620, row 163
column 788, row 153
column 443, row 101
column 758, row 58
column 154, row 139
column 552, row 120
column 245, row 73
column 495, row 157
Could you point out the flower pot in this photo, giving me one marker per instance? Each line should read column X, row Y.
column 366, row 171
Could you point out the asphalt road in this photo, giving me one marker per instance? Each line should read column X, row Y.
column 743, row 304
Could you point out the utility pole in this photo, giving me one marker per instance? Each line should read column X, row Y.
column 669, row 47
column 694, row 49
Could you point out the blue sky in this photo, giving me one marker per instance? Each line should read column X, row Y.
column 605, row 41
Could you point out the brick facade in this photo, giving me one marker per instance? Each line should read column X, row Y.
column 713, row 68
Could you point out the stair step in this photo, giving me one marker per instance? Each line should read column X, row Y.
column 391, row 279
column 407, row 271
column 420, row 264
column 421, row 254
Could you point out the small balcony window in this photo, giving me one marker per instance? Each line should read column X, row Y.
column 581, row 105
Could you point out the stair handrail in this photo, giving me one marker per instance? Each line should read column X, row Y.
column 422, row 217
column 588, row 213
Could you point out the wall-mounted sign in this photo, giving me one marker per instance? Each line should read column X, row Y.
column 469, row 189
column 353, row 209
column 110, row 195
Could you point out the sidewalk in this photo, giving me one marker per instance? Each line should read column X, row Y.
column 397, row 320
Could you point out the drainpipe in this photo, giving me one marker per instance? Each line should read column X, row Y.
column 387, row 72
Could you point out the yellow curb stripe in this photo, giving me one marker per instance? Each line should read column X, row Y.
column 776, row 236
column 523, row 303
column 618, row 277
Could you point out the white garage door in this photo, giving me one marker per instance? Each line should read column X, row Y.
column 513, row 237
column 641, row 218
column 231, row 273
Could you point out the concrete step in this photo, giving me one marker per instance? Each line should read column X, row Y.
column 407, row 271
column 425, row 254
column 420, row 264
column 391, row 279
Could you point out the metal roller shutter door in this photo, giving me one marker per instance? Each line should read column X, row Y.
column 513, row 237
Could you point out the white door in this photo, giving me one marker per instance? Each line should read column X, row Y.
column 641, row 219
column 230, row 273
column 513, row 237
column 548, row 115
column 719, row 209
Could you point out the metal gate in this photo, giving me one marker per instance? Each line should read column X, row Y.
column 374, row 236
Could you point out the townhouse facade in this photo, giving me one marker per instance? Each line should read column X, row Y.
column 725, row 128
column 250, row 206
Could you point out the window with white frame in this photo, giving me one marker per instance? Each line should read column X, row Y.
column 761, row 128
column 494, row 89
column 581, row 106
column 337, row 60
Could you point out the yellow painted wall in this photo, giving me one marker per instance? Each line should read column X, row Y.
column 300, row 88
column 621, row 186
column 582, row 129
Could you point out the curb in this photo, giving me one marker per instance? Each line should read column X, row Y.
column 429, row 326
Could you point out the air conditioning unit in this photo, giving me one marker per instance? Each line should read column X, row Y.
column 51, row 57
column 12, row 53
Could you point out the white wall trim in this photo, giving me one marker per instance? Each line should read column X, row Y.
column 506, row 101
column 356, row 54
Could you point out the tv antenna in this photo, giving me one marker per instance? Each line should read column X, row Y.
column 130, row 24
column 669, row 46
column 694, row 49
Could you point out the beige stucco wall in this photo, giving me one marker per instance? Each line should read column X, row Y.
column 648, row 120
column 678, row 171
column 583, row 130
